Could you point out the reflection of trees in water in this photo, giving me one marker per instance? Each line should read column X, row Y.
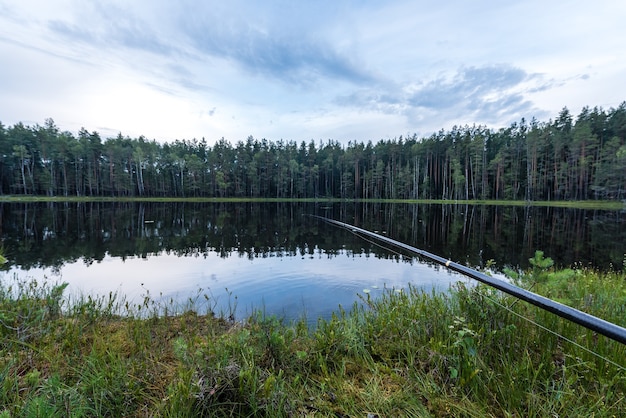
column 509, row 235
column 51, row 234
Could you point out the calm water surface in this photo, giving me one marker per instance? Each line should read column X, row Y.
column 274, row 257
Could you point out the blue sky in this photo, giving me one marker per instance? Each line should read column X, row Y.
column 295, row 70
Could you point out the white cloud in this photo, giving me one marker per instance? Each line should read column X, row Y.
column 346, row 71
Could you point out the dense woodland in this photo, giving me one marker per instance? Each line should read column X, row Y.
column 569, row 158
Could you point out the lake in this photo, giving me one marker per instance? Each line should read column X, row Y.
column 236, row 257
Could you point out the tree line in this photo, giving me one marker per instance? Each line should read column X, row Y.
column 569, row 158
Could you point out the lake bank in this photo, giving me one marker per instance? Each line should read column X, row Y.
column 582, row 204
column 469, row 352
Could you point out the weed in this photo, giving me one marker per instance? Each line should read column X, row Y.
column 27, row 307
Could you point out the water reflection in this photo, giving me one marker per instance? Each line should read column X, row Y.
column 52, row 234
column 273, row 254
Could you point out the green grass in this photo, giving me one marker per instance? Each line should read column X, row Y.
column 468, row 352
column 582, row 204
column 30, row 198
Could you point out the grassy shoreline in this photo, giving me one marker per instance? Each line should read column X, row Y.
column 468, row 352
column 582, row 204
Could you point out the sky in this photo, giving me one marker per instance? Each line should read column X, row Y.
column 344, row 70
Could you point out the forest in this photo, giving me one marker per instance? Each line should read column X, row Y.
column 568, row 158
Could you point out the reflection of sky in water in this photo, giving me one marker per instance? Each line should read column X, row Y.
column 314, row 285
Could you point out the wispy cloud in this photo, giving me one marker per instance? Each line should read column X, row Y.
column 273, row 54
column 111, row 27
column 259, row 47
column 483, row 94
column 469, row 85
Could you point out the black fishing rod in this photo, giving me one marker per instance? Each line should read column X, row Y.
column 591, row 322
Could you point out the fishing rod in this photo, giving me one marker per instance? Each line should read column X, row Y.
column 608, row 329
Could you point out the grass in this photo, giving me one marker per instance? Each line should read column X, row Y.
column 33, row 198
column 581, row 204
column 465, row 353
